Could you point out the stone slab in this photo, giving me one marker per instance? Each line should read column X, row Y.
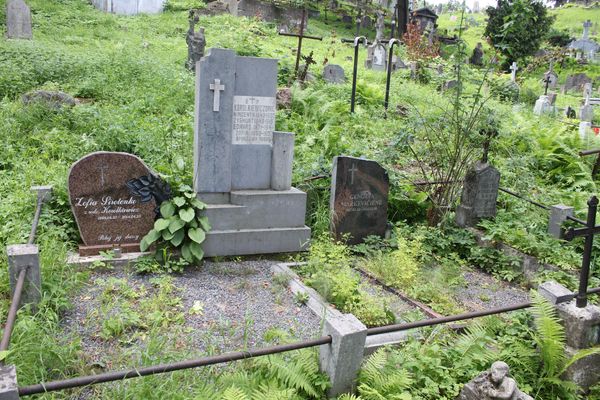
column 558, row 215
column 212, row 129
column 582, row 325
column 256, row 241
column 555, row 293
column 282, row 161
column 258, row 209
column 255, row 162
column 479, row 195
column 150, row 6
column 114, row 198
column 87, row 261
column 18, row 20
column 358, row 203
column 584, row 372
column 333, row 73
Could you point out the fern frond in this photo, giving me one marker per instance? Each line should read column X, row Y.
column 234, row 393
column 581, row 354
column 549, row 335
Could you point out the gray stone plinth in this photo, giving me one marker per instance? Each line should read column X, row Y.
column 584, row 372
column 558, row 215
column 555, row 293
column 25, row 256
column 9, row 389
column 582, row 325
column 259, row 209
column 283, row 156
column 341, row 360
column 255, row 241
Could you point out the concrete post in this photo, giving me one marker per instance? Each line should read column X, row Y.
column 342, row 358
column 281, row 160
column 585, row 128
column 582, row 329
column 27, row 256
column 9, row 389
column 558, row 215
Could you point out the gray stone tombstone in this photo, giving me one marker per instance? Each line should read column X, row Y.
column 359, row 198
column 477, row 56
column 576, row 82
column 552, row 77
column 480, row 191
column 242, row 168
column 18, row 20
column 333, row 73
column 376, row 57
column 130, row 7
column 543, row 105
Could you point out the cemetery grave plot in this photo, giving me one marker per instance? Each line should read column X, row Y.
column 221, row 307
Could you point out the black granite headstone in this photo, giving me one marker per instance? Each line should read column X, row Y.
column 359, row 195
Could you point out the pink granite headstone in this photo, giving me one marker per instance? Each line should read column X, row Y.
column 115, row 198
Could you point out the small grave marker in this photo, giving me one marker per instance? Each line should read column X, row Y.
column 359, row 197
column 333, row 73
column 18, row 20
column 480, row 191
column 114, row 198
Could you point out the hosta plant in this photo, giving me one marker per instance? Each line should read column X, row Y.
column 180, row 225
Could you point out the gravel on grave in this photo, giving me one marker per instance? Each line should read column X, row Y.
column 482, row 292
column 239, row 303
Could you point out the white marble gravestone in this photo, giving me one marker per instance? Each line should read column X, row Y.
column 242, row 167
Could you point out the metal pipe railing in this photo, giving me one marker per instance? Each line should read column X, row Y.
column 159, row 369
column 535, row 203
column 234, row 356
column 12, row 312
column 36, row 218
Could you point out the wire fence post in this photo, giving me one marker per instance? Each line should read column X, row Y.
column 559, row 213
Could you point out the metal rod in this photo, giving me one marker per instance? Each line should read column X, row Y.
column 425, row 183
column 36, row 217
column 12, row 312
column 299, row 53
column 587, row 253
column 391, row 44
column 357, row 41
column 589, row 152
column 535, row 203
column 437, row 321
column 159, row 369
column 579, row 221
column 304, row 36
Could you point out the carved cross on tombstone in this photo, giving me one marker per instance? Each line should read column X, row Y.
column 102, row 168
column 513, row 68
column 216, row 87
column 352, row 171
column 586, row 29
column 300, row 36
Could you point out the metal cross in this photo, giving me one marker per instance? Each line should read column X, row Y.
column 216, row 87
column 300, row 37
column 547, row 81
column 589, row 231
column 514, row 69
column 352, row 171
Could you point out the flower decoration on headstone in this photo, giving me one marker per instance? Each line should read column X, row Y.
column 149, row 187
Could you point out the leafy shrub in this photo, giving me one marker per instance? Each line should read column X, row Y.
column 180, row 226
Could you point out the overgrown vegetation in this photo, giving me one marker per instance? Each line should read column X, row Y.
column 136, row 96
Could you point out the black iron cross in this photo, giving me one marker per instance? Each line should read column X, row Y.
column 547, row 81
column 589, row 231
column 300, row 37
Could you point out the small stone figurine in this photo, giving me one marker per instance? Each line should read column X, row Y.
column 494, row 384
column 196, row 42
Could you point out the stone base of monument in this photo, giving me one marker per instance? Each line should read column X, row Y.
column 256, row 222
column 87, row 261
